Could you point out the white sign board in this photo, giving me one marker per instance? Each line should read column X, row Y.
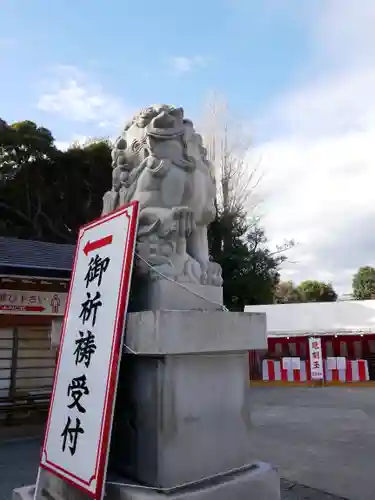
column 331, row 363
column 341, row 363
column 316, row 358
column 81, row 411
column 291, row 363
column 296, row 363
column 32, row 302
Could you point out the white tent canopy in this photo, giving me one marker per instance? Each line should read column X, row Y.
column 323, row 318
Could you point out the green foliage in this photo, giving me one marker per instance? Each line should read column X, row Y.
column 287, row 292
column 364, row 283
column 47, row 194
column 316, row 291
column 250, row 270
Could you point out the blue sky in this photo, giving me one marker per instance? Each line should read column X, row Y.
column 145, row 52
column 299, row 73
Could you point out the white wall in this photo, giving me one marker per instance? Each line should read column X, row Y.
column 315, row 317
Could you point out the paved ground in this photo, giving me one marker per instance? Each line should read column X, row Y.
column 295, row 491
column 322, row 438
column 19, row 463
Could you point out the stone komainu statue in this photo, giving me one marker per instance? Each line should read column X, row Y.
column 160, row 161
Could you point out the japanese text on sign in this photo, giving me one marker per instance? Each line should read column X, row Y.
column 82, row 403
column 32, row 302
column 316, row 358
column 85, row 348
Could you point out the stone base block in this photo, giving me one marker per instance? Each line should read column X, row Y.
column 259, row 482
column 24, row 493
column 181, row 418
column 183, row 403
column 165, row 294
column 154, row 333
column 49, row 487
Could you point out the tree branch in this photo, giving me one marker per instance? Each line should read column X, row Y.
column 61, row 235
column 16, row 212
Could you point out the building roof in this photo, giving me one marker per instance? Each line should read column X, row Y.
column 344, row 317
column 37, row 256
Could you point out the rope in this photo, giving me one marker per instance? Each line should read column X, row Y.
column 223, row 308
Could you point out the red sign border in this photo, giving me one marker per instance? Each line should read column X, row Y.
column 113, row 372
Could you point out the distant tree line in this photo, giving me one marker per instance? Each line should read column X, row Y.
column 363, row 288
column 307, row 291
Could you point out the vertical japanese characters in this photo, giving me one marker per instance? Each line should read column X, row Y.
column 316, row 358
column 79, row 388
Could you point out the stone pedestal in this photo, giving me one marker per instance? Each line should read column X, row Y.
column 257, row 482
column 182, row 420
column 163, row 294
column 183, row 408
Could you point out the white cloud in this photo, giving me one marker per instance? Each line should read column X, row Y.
column 62, row 145
column 319, row 163
column 71, row 94
column 182, row 64
column 344, row 32
column 76, row 139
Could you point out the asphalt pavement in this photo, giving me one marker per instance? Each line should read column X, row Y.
column 19, row 466
column 321, row 439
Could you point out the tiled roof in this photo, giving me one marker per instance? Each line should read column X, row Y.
column 31, row 254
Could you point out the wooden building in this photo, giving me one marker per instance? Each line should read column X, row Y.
column 34, row 281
